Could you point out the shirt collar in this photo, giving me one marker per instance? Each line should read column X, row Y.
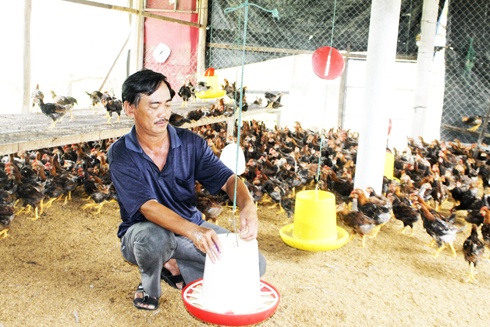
column 133, row 144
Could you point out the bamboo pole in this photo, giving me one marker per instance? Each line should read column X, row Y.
column 115, row 61
column 26, row 83
column 201, row 47
column 139, row 40
column 342, row 91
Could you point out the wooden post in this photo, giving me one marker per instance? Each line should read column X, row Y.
column 139, row 42
column 136, row 31
column 26, row 83
column 201, row 47
column 482, row 133
column 342, row 90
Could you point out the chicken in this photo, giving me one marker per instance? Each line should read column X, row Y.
column 113, row 105
column 473, row 251
column 68, row 180
column 485, row 228
column 37, row 93
column 207, row 205
column 441, row 231
column 381, row 214
column 475, row 121
column 287, row 205
column 67, row 101
column 230, row 90
column 201, row 87
column 273, row 100
column 100, row 196
column 28, row 190
column 195, row 114
column 342, row 187
column 53, row 189
column 54, row 111
column 360, row 223
column 405, row 213
column 440, row 193
column 185, row 92
column 7, row 212
column 177, row 120
column 95, row 98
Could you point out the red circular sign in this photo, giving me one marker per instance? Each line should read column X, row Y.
column 327, row 63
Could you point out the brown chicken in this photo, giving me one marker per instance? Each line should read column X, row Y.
column 473, row 251
column 360, row 224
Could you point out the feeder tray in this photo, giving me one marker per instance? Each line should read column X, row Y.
column 192, row 293
column 210, row 95
column 308, row 245
column 212, row 80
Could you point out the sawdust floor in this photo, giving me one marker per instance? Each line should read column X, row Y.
column 65, row 269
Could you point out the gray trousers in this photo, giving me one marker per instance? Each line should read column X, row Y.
column 149, row 246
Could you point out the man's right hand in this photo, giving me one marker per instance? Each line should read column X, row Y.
column 207, row 241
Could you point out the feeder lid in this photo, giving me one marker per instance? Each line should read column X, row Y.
column 209, row 72
column 327, row 63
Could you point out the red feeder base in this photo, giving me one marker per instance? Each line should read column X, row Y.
column 230, row 319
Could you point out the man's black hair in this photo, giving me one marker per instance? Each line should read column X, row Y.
column 143, row 82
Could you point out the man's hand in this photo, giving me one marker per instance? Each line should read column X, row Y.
column 207, row 241
column 249, row 223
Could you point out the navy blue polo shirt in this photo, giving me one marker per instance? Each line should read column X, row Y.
column 137, row 178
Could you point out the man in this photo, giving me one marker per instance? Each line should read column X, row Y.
column 154, row 169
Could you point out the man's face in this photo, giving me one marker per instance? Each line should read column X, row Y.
column 153, row 111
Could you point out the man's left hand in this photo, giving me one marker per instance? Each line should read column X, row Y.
column 249, row 223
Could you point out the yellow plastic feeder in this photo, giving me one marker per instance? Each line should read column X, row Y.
column 315, row 223
column 389, row 165
column 212, row 80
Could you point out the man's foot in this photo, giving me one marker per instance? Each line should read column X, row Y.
column 143, row 301
column 173, row 268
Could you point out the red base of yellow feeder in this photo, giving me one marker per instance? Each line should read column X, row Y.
column 313, row 245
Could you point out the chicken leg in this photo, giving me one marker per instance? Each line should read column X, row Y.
column 36, row 216
column 471, row 277
column 474, row 128
column 439, row 250
column 4, row 233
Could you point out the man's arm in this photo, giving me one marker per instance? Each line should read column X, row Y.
column 249, row 222
column 204, row 239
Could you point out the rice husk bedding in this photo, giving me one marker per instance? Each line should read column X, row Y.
column 66, row 269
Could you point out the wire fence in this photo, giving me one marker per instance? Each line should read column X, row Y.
column 467, row 86
column 180, row 66
column 302, row 27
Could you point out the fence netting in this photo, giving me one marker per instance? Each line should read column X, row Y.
column 467, row 85
column 302, row 27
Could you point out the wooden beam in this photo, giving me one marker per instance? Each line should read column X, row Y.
column 462, row 130
column 134, row 11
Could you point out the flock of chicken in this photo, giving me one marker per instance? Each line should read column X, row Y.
column 279, row 162
column 61, row 105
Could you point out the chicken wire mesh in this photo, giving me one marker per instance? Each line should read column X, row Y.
column 180, row 65
column 302, row 27
column 467, row 56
